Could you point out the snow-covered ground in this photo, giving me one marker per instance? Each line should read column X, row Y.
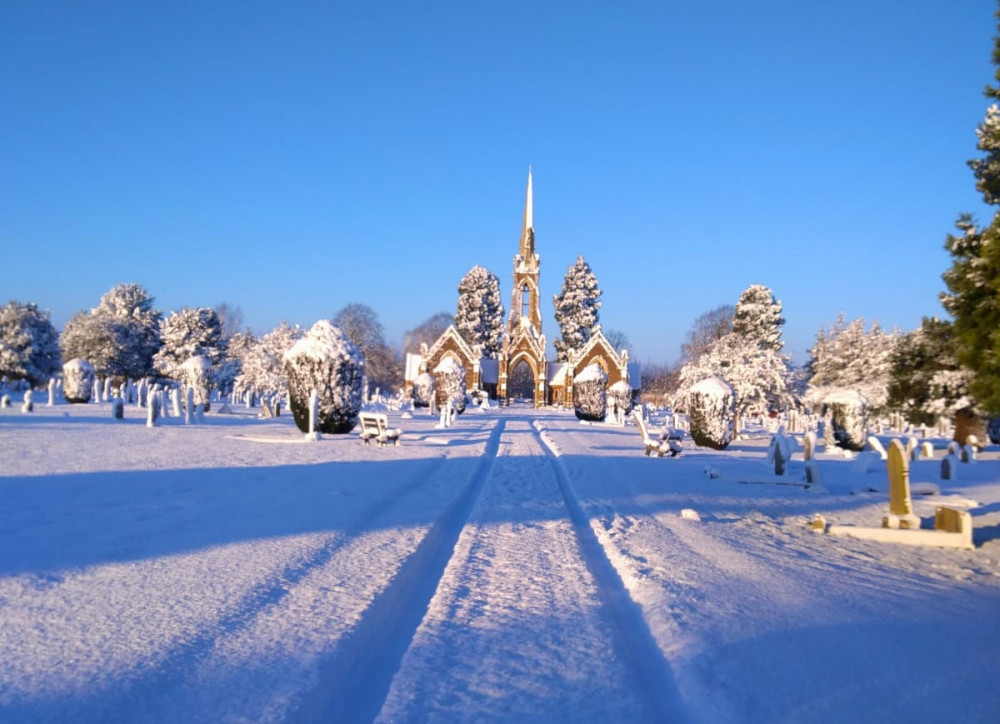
column 517, row 566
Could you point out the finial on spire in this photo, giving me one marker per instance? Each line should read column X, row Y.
column 529, row 222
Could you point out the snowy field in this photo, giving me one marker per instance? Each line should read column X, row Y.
column 518, row 566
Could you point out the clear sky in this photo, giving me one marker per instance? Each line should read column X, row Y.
column 293, row 157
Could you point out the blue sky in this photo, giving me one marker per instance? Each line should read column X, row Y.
column 292, row 157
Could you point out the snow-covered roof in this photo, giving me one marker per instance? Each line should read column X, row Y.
column 596, row 339
column 555, row 372
column 714, row 385
column 490, row 370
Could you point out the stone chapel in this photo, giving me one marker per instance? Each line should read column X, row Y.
column 524, row 342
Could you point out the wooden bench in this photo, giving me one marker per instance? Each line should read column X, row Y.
column 375, row 426
column 666, row 444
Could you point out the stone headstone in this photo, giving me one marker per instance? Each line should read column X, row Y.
column 52, row 392
column 900, row 504
column 813, row 476
column 118, row 409
column 968, row 454
column 29, row 404
column 875, row 444
column 949, row 467
column 5, row 401
column 927, row 450
column 808, row 446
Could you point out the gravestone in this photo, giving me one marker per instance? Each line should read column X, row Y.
column 900, row 504
column 927, row 450
column 808, row 446
column 875, row 444
column 949, row 467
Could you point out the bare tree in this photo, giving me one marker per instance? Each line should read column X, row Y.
column 383, row 365
column 706, row 330
column 426, row 332
column 617, row 339
column 231, row 318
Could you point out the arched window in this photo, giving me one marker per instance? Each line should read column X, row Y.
column 525, row 301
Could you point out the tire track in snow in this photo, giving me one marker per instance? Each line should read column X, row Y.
column 633, row 639
column 169, row 676
column 355, row 679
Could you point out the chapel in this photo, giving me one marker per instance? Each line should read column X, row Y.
column 524, row 343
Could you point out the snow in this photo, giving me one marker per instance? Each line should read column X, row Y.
column 516, row 566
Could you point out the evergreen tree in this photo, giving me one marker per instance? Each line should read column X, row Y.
column 846, row 356
column 578, row 307
column 926, row 380
column 973, row 280
column 479, row 318
column 758, row 375
column 135, row 324
column 29, row 344
column 186, row 334
column 757, row 317
column 90, row 337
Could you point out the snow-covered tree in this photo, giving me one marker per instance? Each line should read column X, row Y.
column 578, row 307
column 926, row 379
column 129, row 311
column 758, row 376
column 29, row 344
column 480, row 313
column 261, row 365
column 230, row 317
column 91, row 337
column 846, row 356
column 706, row 330
column 186, row 334
column 327, row 361
column 758, row 317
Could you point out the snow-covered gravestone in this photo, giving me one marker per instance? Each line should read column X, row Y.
column 189, row 406
column 711, row 412
column 423, row 390
column 52, row 392
column 848, row 418
column 78, row 381
column 175, row 401
column 152, row 407
column 195, row 373
column 875, row 444
column 327, row 361
column 620, row 400
column 29, row 404
column 449, row 384
column 590, row 393
column 313, row 433
column 5, row 401
column 118, row 408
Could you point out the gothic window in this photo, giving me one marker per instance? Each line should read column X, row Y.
column 525, row 302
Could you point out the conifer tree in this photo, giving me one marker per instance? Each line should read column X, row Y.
column 974, row 277
column 186, row 334
column 758, row 317
column 846, row 356
column 480, row 313
column 578, row 307
column 29, row 344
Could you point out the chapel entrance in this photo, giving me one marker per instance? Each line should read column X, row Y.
column 521, row 383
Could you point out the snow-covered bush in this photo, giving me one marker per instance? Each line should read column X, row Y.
column 848, row 410
column 195, row 374
column 29, row 344
column 423, row 390
column 711, row 411
column 325, row 360
column 78, row 380
column 449, row 384
column 590, row 395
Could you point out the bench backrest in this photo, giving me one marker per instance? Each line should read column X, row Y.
column 373, row 422
column 640, row 422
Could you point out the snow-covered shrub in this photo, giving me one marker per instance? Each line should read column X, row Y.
column 195, row 373
column 325, row 360
column 449, row 384
column 78, row 380
column 848, row 410
column 423, row 390
column 590, row 395
column 710, row 406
